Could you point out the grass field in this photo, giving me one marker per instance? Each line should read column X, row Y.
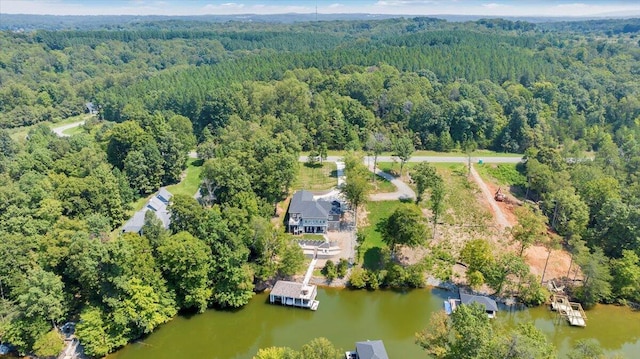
column 74, row 131
column 505, row 174
column 316, row 178
column 382, row 185
column 372, row 248
column 191, row 182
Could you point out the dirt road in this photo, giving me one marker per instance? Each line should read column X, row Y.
column 501, row 220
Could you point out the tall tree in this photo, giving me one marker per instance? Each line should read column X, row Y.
column 530, row 228
column 185, row 262
column 424, row 175
column 403, row 148
column 404, row 227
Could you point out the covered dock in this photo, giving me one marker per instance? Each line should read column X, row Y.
column 294, row 294
column 490, row 305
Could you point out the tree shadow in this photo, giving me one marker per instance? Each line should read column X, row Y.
column 313, row 164
column 372, row 259
column 333, row 174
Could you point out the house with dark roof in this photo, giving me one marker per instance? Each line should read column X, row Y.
column 490, row 305
column 308, row 215
column 158, row 205
column 91, row 108
column 371, row 349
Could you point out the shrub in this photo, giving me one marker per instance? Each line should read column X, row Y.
column 415, row 276
column 373, row 280
column 342, row 267
column 396, row 276
column 329, row 270
column 358, row 278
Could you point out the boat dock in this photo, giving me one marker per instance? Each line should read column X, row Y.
column 294, row 294
column 571, row 311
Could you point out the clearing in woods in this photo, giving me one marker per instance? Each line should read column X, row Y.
column 503, row 214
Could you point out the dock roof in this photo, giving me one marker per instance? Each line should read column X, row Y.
column 371, row 349
column 487, row 302
column 284, row 288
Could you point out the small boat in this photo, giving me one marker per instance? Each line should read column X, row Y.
column 447, row 307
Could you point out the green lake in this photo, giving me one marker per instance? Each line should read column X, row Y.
column 346, row 316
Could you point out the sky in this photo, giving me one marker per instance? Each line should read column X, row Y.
column 399, row 7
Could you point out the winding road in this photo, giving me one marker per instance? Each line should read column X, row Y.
column 59, row 130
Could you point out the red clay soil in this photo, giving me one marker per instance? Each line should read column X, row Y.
column 536, row 255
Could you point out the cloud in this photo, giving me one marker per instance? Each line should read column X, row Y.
column 335, row 6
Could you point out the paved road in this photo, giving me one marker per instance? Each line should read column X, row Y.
column 449, row 159
column 59, row 130
column 435, row 159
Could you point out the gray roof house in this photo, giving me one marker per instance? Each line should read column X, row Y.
column 158, row 205
column 489, row 304
column 371, row 349
column 307, row 215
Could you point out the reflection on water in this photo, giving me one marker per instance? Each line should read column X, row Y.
column 346, row 316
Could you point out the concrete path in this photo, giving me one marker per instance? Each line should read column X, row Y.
column 59, row 130
column 403, row 191
column 342, row 179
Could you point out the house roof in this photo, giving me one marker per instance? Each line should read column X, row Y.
column 135, row 223
column 164, row 195
column 303, row 203
column 285, row 288
column 158, row 205
column 371, row 349
column 487, row 302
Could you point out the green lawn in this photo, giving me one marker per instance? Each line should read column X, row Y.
column 74, row 131
column 316, row 178
column 504, row 174
column 190, row 184
column 372, row 248
column 382, row 185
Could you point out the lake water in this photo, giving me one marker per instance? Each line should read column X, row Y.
column 346, row 316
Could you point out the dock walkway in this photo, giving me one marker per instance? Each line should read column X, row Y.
column 571, row 311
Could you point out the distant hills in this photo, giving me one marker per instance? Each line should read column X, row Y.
column 25, row 22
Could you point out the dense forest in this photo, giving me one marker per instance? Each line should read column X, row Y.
column 250, row 97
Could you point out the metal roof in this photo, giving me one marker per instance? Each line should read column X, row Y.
column 487, row 302
column 371, row 349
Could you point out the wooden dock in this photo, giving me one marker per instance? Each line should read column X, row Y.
column 571, row 311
